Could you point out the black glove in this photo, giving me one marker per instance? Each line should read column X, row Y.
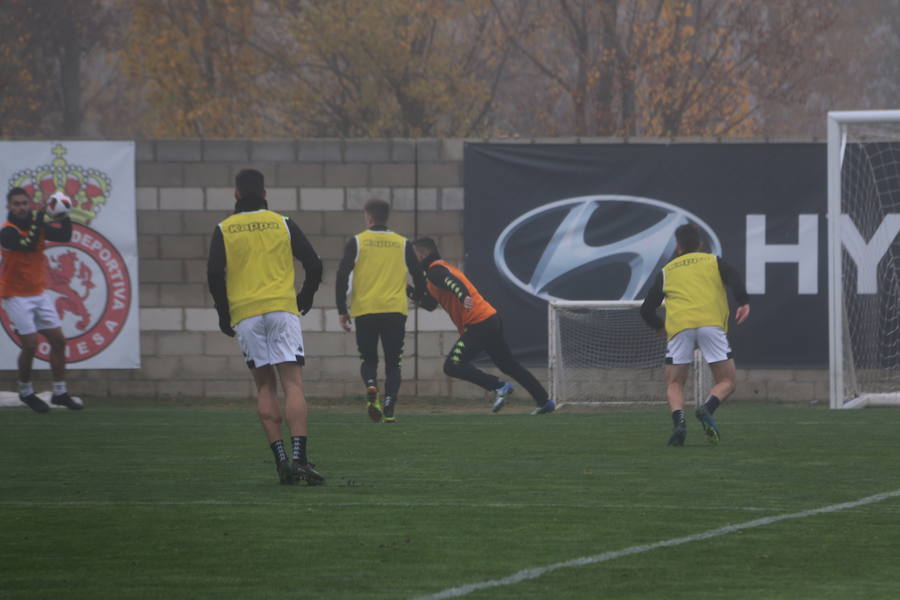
column 225, row 324
column 304, row 301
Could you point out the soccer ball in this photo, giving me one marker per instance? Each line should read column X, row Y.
column 58, row 205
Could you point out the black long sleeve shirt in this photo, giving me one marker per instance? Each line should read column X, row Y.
column 57, row 231
column 440, row 277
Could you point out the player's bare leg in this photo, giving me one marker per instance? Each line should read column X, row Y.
column 295, row 401
column 725, row 376
column 57, row 352
column 26, row 356
column 267, row 401
column 295, row 411
column 270, row 418
column 676, row 376
column 58, row 368
column 29, row 344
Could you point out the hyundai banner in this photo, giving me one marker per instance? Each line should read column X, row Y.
column 92, row 279
column 597, row 222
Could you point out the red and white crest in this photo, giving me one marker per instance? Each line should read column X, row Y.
column 91, row 280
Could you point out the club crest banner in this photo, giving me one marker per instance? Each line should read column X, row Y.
column 92, row 279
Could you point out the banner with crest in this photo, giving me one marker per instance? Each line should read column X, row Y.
column 93, row 279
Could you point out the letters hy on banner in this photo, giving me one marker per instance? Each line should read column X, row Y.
column 866, row 256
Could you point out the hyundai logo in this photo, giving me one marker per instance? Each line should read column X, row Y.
column 593, row 247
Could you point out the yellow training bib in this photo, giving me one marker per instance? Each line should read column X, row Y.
column 379, row 274
column 695, row 295
column 259, row 272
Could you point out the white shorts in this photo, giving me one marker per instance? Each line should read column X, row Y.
column 270, row 339
column 712, row 341
column 30, row 314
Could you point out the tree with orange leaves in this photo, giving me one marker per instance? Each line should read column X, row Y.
column 195, row 63
column 345, row 68
column 666, row 67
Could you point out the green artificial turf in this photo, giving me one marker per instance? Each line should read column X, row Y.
column 143, row 500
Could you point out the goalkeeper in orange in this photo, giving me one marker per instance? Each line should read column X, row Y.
column 480, row 330
column 23, row 276
column 693, row 286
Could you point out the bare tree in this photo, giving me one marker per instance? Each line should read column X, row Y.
column 392, row 68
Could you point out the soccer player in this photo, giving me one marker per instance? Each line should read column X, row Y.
column 379, row 260
column 480, row 330
column 23, row 275
column 693, row 286
column 251, row 279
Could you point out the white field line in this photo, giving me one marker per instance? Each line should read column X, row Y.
column 536, row 572
column 292, row 504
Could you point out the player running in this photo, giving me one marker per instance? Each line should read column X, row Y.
column 251, row 279
column 693, row 286
column 379, row 261
column 23, row 276
column 480, row 329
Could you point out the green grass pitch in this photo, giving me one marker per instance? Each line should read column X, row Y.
column 131, row 499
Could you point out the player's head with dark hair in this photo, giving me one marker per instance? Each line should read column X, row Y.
column 250, row 183
column 688, row 238
column 18, row 203
column 426, row 243
column 425, row 247
column 17, row 191
column 378, row 210
column 250, row 190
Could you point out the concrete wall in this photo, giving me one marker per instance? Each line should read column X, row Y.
column 185, row 187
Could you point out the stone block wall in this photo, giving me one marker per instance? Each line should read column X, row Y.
column 184, row 188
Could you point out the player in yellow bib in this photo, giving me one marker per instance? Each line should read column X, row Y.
column 693, row 287
column 251, row 279
column 379, row 261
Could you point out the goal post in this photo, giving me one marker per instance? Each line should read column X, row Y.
column 863, row 258
column 601, row 353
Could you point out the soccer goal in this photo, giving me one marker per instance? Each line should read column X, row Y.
column 864, row 258
column 602, row 353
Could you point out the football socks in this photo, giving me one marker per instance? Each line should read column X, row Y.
column 25, row 388
column 278, row 450
column 299, row 449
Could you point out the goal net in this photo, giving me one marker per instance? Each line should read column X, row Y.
column 864, row 258
column 602, row 353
